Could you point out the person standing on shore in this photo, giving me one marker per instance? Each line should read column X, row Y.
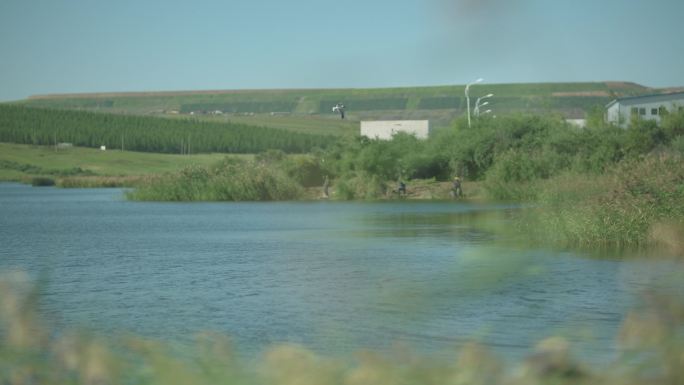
column 326, row 185
column 456, row 189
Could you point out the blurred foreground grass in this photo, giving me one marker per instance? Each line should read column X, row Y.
column 650, row 340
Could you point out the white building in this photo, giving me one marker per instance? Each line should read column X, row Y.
column 622, row 111
column 385, row 129
column 581, row 123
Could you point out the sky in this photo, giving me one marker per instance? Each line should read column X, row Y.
column 67, row 46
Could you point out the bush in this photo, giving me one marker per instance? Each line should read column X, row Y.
column 305, row 170
column 361, row 186
column 677, row 145
column 42, row 181
column 673, row 124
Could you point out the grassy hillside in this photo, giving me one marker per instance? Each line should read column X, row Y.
column 307, row 124
column 440, row 104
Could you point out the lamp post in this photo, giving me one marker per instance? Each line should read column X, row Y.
column 476, row 110
column 468, row 98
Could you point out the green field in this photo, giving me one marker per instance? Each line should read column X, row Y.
column 18, row 161
column 308, row 124
column 309, row 110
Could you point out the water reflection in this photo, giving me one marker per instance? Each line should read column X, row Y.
column 463, row 223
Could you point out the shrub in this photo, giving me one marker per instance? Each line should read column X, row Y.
column 677, row 145
column 305, row 170
column 42, row 181
column 361, row 186
column 673, row 124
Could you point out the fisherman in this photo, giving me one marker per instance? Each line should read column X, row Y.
column 456, row 190
column 402, row 188
column 326, row 185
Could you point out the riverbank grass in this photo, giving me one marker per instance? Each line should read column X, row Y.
column 636, row 203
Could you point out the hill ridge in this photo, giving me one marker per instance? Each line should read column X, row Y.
column 610, row 84
column 311, row 108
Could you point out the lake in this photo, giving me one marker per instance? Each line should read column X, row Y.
column 333, row 276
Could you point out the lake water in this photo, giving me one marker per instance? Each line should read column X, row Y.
column 334, row 276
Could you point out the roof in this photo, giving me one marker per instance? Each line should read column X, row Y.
column 653, row 98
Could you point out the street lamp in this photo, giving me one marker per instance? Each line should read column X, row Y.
column 476, row 110
column 468, row 98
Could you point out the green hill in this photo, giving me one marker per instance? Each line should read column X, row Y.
column 311, row 109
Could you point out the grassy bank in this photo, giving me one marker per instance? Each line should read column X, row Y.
column 87, row 167
column 274, row 175
column 32, row 352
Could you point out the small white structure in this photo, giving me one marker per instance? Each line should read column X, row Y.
column 621, row 111
column 580, row 123
column 385, row 129
column 103, row 148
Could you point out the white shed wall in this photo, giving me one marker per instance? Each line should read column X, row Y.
column 613, row 114
column 385, row 129
column 621, row 114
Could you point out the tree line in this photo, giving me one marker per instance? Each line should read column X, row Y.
column 38, row 126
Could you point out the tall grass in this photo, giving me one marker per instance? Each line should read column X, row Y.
column 632, row 204
column 100, row 181
column 650, row 341
column 230, row 180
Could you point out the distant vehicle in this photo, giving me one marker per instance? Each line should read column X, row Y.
column 339, row 107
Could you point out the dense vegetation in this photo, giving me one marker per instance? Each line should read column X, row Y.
column 597, row 185
column 20, row 124
column 506, row 153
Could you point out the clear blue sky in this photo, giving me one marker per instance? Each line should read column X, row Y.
column 62, row 46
